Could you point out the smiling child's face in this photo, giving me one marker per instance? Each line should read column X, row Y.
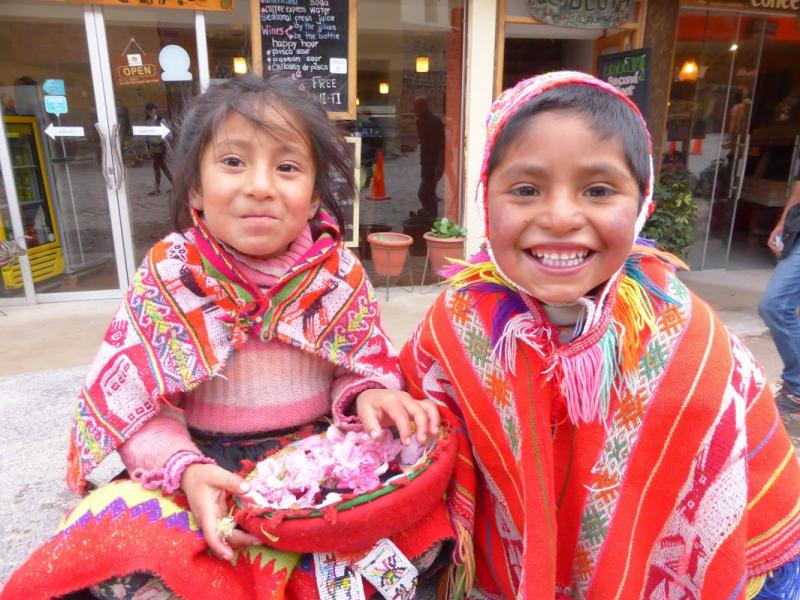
column 562, row 207
column 256, row 189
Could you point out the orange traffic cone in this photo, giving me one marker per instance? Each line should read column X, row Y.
column 697, row 146
column 378, row 191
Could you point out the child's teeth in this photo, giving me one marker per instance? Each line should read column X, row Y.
column 562, row 259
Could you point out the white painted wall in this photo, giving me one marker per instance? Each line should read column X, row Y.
column 481, row 35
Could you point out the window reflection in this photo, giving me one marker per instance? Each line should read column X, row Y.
column 409, row 111
column 414, row 129
column 228, row 39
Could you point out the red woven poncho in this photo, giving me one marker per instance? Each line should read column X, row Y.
column 643, row 459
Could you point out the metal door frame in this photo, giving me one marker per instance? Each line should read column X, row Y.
column 17, row 228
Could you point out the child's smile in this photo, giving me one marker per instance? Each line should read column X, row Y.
column 560, row 257
column 562, row 205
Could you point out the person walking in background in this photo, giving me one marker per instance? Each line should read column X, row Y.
column 157, row 147
column 780, row 304
column 430, row 131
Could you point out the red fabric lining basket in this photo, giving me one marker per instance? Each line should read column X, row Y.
column 342, row 529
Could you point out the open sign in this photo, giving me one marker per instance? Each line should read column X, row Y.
column 137, row 74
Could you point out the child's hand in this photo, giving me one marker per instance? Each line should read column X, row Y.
column 379, row 408
column 207, row 487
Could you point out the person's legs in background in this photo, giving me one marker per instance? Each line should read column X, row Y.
column 165, row 168
column 780, row 309
column 157, row 156
column 427, row 192
column 160, row 164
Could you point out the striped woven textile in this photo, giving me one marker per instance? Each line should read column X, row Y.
column 689, row 488
column 123, row 528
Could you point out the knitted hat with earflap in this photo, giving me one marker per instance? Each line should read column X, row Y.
column 589, row 366
column 512, row 100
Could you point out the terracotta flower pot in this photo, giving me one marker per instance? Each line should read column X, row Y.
column 365, row 250
column 440, row 249
column 389, row 252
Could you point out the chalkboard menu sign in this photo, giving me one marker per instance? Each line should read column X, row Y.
column 313, row 41
column 629, row 72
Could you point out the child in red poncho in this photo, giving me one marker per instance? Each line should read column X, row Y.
column 239, row 332
column 618, row 442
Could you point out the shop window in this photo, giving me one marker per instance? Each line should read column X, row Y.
column 732, row 129
column 58, row 180
column 228, row 39
column 409, row 117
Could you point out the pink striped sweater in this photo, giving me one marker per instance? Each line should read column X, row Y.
column 265, row 386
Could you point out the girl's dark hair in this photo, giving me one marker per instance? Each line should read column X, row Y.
column 608, row 115
column 248, row 96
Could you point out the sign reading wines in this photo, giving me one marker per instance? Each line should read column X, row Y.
column 312, row 41
column 628, row 72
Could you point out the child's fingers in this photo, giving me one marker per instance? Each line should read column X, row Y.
column 214, row 534
column 398, row 415
column 434, row 419
column 370, row 419
column 242, row 539
column 417, row 412
column 230, row 482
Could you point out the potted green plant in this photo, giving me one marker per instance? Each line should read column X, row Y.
column 671, row 226
column 445, row 240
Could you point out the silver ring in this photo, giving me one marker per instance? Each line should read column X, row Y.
column 225, row 527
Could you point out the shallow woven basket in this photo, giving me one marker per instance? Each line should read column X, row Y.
column 357, row 521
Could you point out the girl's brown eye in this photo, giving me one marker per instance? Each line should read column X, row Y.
column 525, row 190
column 599, row 191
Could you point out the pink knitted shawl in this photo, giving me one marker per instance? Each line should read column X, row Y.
column 189, row 308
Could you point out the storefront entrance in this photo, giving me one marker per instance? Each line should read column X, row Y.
column 88, row 158
column 733, row 124
column 79, row 176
